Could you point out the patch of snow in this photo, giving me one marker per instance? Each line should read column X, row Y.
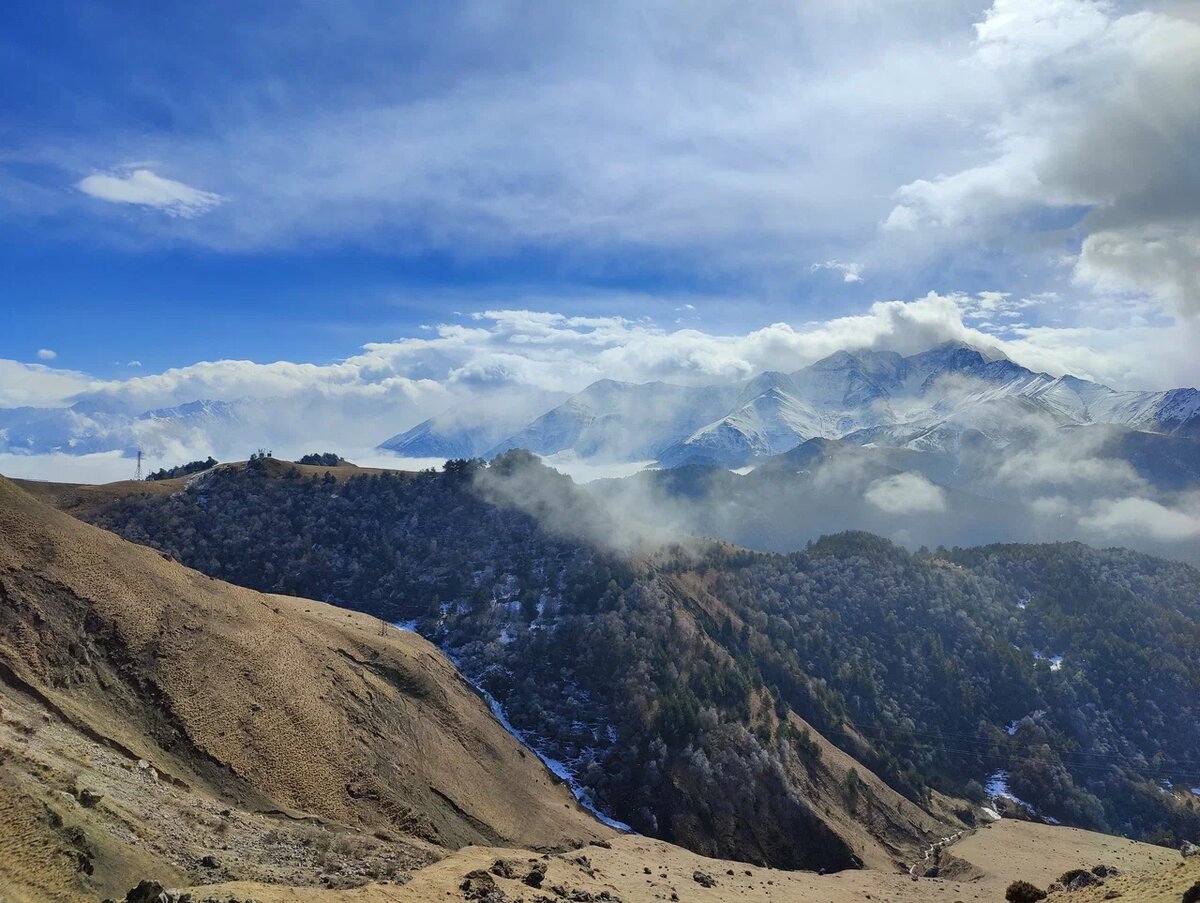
column 991, row 813
column 997, row 789
column 1055, row 661
column 1023, row 603
column 557, row 768
column 409, row 626
column 1012, row 728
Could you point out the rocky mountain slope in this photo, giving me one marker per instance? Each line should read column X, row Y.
column 154, row 720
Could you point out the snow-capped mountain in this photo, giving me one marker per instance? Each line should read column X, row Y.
column 932, row 401
column 621, row 421
column 469, row 430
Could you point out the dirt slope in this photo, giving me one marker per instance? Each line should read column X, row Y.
column 249, row 714
column 641, row 870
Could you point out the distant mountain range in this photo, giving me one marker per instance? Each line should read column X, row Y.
column 87, row 427
column 933, row 401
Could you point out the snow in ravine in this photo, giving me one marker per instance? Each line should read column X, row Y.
column 997, row 789
column 557, row 768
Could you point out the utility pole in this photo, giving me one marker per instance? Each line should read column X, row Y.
column 138, row 474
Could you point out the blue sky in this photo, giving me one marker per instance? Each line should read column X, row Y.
column 266, row 182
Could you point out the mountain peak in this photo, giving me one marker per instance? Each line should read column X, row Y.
column 958, row 346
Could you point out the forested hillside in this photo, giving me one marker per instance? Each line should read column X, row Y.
column 673, row 680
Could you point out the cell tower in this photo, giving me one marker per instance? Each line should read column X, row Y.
column 138, row 474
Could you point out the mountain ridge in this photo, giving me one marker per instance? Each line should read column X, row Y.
column 927, row 399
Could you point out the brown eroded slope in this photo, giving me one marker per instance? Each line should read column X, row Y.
column 201, row 711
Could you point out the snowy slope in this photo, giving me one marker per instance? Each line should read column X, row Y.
column 932, row 401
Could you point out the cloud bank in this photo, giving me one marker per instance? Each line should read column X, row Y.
column 509, row 359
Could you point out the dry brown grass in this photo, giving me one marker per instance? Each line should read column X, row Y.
column 263, row 704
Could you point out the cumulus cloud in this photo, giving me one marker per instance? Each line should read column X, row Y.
column 511, row 363
column 906, row 493
column 504, row 348
column 1075, row 77
column 145, row 188
column 46, row 354
column 37, row 385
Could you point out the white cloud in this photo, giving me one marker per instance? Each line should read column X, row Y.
column 1098, row 111
column 851, row 272
column 906, row 493
column 46, row 354
column 147, row 189
column 1141, row 517
column 38, row 385
column 494, row 359
column 736, row 134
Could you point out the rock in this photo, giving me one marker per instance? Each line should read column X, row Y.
column 503, row 868
column 932, row 872
column 1105, row 871
column 147, row 891
column 1188, row 849
column 536, row 875
column 1023, row 892
column 88, row 798
column 1082, row 880
column 704, row 880
column 210, row 862
column 1192, row 894
column 1113, row 894
column 479, row 885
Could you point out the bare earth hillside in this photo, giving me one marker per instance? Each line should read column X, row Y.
column 206, row 716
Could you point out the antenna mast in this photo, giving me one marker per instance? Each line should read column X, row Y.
column 138, row 474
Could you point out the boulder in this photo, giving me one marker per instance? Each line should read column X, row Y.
column 147, row 891
column 1023, row 892
column 536, row 875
